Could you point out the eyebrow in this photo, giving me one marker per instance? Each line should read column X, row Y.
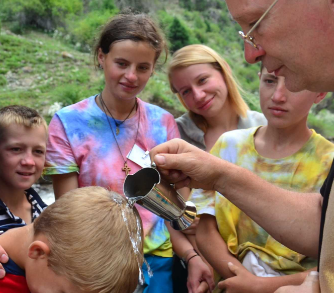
column 123, row 59
column 197, row 77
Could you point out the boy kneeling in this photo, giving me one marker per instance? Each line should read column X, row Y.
column 89, row 240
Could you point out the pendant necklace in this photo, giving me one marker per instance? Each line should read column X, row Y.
column 126, row 168
column 118, row 124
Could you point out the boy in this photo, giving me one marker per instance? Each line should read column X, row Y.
column 286, row 153
column 89, row 240
column 23, row 137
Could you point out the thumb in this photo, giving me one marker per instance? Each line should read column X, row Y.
column 233, row 268
column 312, row 279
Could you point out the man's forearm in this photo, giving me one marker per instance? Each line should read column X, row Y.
column 291, row 218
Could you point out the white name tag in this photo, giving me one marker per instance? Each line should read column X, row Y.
column 139, row 156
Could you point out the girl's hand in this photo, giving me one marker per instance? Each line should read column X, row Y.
column 200, row 278
column 310, row 285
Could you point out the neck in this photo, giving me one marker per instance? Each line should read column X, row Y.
column 279, row 143
column 13, row 198
column 224, row 122
column 16, row 243
column 119, row 108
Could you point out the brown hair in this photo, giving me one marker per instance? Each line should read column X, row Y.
column 201, row 54
column 130, row 26
column 90, row 240
column 20, row 115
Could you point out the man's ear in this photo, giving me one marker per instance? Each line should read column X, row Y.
column 38, row 249
column 320, row 97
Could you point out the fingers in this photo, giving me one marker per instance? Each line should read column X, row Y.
column 208, row 278
column 312, row 277
column 233, row 268
column 203, row 287
column 3, row 259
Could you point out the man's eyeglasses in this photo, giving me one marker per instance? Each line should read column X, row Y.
column 247, row 37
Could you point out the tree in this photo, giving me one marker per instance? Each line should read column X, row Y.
column 178, row 35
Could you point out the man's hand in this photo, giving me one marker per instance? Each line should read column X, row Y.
column 200, row 278
column 191, row 230
column 3, row 259
column 186, row 165
column 310, row 285
column 242, row 282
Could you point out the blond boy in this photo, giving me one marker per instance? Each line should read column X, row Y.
column 87, row 241
column 23, row 136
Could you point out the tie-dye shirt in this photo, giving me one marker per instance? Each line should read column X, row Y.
column 80, row 140
column 304, row 171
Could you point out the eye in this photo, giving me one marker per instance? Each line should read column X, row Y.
column 40, row 152
column 202, row 80
column 121, row 64
column 144, row 68
column 15, row 149
column 185, row 92
column 270, row 81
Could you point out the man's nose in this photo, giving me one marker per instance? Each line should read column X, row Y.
column 253, row 55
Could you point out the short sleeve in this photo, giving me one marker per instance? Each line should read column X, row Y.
column 59, row 155
column 173, row 130
column 204, row 200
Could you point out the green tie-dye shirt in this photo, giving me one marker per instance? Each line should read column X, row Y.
column 305, row 171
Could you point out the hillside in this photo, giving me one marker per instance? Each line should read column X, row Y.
column 45, row 59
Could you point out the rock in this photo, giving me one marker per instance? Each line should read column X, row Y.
column 67, row 55
column 27, row 69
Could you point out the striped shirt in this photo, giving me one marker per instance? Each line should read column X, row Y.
column 8, row 220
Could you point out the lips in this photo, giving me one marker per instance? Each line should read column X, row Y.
column 277, row 111
column 128, row 86
column 25, row 173
column 204, row 105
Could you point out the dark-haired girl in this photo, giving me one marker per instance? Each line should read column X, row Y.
column 90, row 142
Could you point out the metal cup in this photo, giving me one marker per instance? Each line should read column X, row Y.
column 147, row 189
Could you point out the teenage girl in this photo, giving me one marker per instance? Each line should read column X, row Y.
column 204, row 84
column 90, row 142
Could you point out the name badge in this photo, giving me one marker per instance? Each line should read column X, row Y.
column 139, row 156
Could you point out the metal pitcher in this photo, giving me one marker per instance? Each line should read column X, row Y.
column 147, row 189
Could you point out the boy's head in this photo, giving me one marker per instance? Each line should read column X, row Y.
column 82, row 244
column 23, row 136
column 281, row 107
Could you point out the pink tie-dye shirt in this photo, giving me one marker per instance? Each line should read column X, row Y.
column 80, row 140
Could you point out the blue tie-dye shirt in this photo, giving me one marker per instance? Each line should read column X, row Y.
column 80, row 140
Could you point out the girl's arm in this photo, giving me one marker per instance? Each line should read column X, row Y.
column 64, row 182
column 213, row 247
column 198, row 271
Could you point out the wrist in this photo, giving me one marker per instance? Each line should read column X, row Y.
column 189, row 253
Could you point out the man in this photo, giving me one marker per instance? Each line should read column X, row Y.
column 294, row 39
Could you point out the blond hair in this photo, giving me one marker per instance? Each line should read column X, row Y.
column 20, row 115
column 89, row 240
column 201, row 54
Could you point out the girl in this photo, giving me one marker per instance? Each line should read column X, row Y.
column 100, row 140
column 203, row 82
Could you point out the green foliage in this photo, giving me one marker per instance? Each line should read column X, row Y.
column 200, row 5
column 178, row 35
column 186, row 4
column 86, row 29
column 44, row 14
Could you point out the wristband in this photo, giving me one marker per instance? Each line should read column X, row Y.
column 191, row 258
column 185, row 256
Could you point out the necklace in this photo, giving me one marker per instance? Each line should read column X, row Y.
column 118, row 124
column 126, row 168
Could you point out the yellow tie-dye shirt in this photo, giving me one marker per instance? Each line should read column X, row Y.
column 304, row 171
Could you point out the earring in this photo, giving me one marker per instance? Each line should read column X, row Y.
column 100, row 66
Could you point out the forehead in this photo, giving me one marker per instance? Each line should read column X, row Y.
column 19, row 133
column 140, row 52
column 240, row 9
